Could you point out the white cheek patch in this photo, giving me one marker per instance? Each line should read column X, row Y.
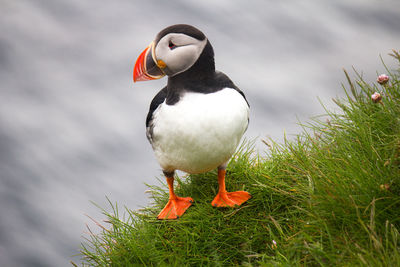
column 186, row 52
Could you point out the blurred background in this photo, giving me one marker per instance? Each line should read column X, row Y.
column 72, row 121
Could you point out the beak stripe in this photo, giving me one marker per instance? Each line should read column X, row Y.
column 139, row 72
column 145, row 61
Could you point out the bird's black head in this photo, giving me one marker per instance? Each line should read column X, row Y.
column 178, row 50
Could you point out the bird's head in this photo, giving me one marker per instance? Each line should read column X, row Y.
column 174, row 50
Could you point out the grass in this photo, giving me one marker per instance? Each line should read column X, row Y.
column 331, row 197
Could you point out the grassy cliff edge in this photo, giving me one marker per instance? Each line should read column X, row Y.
column 329, row 197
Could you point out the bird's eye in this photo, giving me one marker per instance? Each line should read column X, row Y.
column 171, row 45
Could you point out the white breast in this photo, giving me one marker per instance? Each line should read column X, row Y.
column 200, row 132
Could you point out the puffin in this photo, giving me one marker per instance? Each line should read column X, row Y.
column 195, row 122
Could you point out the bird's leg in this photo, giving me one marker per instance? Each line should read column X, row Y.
column 228, row 199
column 176, row 206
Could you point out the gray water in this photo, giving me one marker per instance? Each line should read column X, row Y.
column 72, row 121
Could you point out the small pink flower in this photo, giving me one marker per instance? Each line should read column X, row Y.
column 376, row 97
column 384, row 187
column 382, row 79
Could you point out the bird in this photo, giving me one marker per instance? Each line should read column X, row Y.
column 196, row 122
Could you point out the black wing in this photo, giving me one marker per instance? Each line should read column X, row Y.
column 222, row 81
column 157, row 100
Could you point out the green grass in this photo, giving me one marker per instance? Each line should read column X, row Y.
column 331, row 197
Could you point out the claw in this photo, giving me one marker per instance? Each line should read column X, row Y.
column 175, row 208
column 230, row 199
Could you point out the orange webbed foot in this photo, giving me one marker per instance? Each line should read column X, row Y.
column 230, row 199
column 175, row 208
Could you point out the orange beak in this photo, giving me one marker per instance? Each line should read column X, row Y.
column 146, row 67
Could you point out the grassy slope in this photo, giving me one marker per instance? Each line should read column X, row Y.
column 327, row 198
